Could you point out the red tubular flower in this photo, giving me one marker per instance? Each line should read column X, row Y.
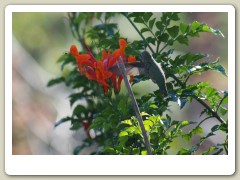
column 86, row 126
column 131, row 59
column 98, row 70
column 82, row 59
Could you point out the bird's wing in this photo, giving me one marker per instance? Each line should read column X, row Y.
column 133, row 69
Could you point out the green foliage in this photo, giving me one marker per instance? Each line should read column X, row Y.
column 111, row 115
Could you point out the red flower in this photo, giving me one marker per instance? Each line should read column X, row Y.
column 98, row 70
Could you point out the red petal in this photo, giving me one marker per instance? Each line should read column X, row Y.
column 119, row 81
column 122, row 44
column 131, row 79
column 131, row 59
column 114, row 81
column 105, row 89
column 86, row 60
column 90, row 74
column 74, row 51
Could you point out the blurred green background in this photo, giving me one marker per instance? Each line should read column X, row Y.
column 39, row 39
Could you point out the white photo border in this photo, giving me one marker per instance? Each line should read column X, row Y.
column 112, row 164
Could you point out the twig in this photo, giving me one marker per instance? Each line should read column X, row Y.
column 175, row 78
column 139, row 33
column 215, row 114
column 220, row 103
column 121, row 66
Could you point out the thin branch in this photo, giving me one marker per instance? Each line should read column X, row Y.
column 135, row 27
column 209, row 109
column 225, row 148
column 220, row 103
column 121, row 66
column 158, row 45
column 150, row 31
column 174, row 77
column 163, row 48
column 187, row 78
column 204, row 120
column 215, row 114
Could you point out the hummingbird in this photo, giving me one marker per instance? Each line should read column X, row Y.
column 148, row 67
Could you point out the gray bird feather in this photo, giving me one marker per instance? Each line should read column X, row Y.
column 148, row 67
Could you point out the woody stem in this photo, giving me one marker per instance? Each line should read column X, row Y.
column 122, row 68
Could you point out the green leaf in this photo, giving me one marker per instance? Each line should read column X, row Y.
column 221, row 69
column 136, row 14
column 144, row 30
column 77, row 149
column 98, row 123
column 123, row 133
column 187, row 136
column 203, row 85
column 218, row 152
column 132, row 130
column 109, row 151
column 138, row 20
column 187, row 59
column 197, row 130
column 62, row 121
column 212, row 148
column 123, row 139
column 195, row 25
column 147, row 16
column 126, row 150
column 210, row 91
column 183, row 27
column 128, row 122
column 55, row 81
column 159, row 25
column 202, row 139
column 217, row 32
column 184, row 152
column 173, row 31
column 224, row 127
column 148, row 124
column 79, row 110
column 182, row 39
column 146, row 97
column 223, row 110
column 136, row 151
column 74, row 97
column 174, row 16
column 143, row 152
column 225, row 100
column 153, row 106
column 122, row 105
column 151, row 23
column 75, row 125
column 185, row 123
column 151, row 40
column 163, row 38
column 64, row 57
column 144, row 114
column 205, row 28
column 215, row 128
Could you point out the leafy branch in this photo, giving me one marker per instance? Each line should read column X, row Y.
column 98, row 104
column 196, row 28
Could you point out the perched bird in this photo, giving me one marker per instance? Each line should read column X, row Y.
column 149, row 67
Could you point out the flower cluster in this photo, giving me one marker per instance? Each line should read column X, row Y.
column 98, row 70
